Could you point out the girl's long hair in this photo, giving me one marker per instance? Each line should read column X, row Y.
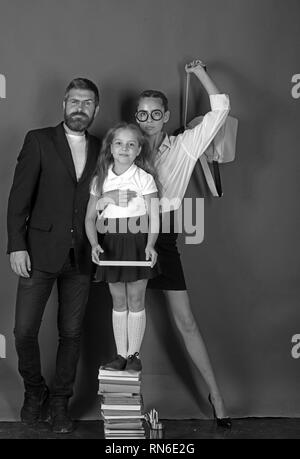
column 143, row 160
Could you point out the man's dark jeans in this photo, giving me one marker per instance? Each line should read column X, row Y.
column 32, row 296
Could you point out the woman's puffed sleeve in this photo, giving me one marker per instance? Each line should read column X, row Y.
column 195, row 141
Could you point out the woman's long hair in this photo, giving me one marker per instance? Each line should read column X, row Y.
column 105, row 159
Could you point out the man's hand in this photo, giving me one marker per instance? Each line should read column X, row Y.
column 120, row 197
column 20, row 263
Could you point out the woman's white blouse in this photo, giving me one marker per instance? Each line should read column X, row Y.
column 135, row 179
column 177, row 155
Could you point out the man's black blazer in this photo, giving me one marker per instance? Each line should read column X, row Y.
column 47, row 205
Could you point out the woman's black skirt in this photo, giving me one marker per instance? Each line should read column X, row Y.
column 171, row 276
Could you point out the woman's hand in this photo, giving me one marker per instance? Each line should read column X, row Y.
column 120, row 197
column 198, row 68
column 96, row 250
column 151, row 253
column 195, row 66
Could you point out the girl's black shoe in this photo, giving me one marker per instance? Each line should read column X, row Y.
column 118, row 364
column 226, row 423
column 134, row 363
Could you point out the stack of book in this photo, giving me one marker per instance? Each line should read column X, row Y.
column 121, row 404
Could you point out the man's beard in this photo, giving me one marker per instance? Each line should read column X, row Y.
column 78, row 122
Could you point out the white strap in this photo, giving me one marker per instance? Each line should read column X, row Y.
column 187, row 88
column 208, row 175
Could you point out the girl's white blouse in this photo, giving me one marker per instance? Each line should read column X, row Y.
column 135, row 179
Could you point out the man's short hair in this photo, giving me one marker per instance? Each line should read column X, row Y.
column 156, row 94
column 83, row 83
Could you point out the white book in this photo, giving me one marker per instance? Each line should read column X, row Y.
column 119, row 378
column 134, row 416
column 120, row 407
column 114, row 373
column 140, row 431
column 124, row 395
column 129, row 437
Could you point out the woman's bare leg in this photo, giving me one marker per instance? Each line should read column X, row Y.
column 181, row 310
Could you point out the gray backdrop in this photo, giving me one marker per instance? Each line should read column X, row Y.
column 244, row 278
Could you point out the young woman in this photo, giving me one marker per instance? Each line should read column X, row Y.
column 124, row 162
column 174, row 159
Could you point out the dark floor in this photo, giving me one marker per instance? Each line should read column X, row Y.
column 251, row 428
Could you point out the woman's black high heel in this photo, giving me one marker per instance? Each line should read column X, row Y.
column 226, row 423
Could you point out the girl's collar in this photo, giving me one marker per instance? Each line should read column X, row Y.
column 128, row 173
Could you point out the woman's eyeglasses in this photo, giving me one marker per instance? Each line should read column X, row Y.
column 143, row 115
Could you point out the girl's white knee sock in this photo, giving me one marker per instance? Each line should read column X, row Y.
column 136, row 330
column 119, row 320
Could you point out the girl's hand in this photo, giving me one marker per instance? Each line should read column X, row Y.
column 120, row 197
column 152, row 254
column 96, row 250
column 195, row 66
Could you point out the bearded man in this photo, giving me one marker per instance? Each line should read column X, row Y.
column 47, row 244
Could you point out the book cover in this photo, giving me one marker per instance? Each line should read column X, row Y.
column 120, row 401
column 138, row 433
column 104, row 406
column 123, row 425
column 107, row 388
column 122, row 416
column 122, row 374
column 124, row 382
column 123, row 437
column 121, row 413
